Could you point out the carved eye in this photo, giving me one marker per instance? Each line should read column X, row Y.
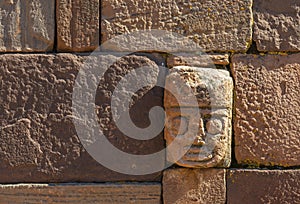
column 179, row 126
column 214, row 126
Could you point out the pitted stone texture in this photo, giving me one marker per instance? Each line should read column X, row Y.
column 39, row 140
column 263, row 186
column 27, row 26
column 198, row 103
column 267, row 109
column 209, row 87
column 77, row 25
column 215, row 25
column 277, row 25
column 81, row 193
column 209, row 60
column 191, row 186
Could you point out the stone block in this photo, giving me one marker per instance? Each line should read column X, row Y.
column 39, row 139
column 81, row 193
column 198, row 103
column 266, row 122
column 191, row 186
column 263, row 186
column 77, row 25
column 277, row 25
column 221, row 25
column 27, row 26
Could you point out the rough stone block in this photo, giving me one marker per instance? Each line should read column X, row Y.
column 221, row 25
column 277, row 25
column 27, row 26
column 267, row 110
column 81, row 193
column 263, row 186
column 191, row 186
column 209, row 60
column 39, row 140
column 77, row 25
column 198, row 103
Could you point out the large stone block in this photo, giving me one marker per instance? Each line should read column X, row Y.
column 27, row 26
column 277, row 25
column 266, row 122
column 263, row 186
column 221, row 25
column 198, row 103
column 81, row 193
column 77, row 25
column 39, row 142
column 191, row 186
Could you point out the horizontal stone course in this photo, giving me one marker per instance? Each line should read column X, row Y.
column 81, row 193
column 266, row 123
column 263, row 186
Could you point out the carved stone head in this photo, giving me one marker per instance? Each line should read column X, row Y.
column 198, row 103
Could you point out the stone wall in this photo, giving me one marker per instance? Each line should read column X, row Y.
column 252, row 66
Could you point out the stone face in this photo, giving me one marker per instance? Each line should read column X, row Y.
column 81, row 193
column 185, row 186
column 77, row 25
column 198, row 103
column 263, row 186
column 26, row 26
column 267, row 109
column 277, row 25
column 218, row 25
column 39, row 140
column 209, row 60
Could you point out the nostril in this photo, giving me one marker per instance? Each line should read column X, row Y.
column 199, row 141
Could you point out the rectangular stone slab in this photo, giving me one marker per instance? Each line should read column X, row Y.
column 277, row 25
column 266, row 122
column 263, row 186
column 77, row 25
column 220, row 25
column 39, row 142
column 194, row 186
column 81, row 193
column 27, row 26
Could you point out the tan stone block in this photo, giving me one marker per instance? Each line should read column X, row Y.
column 201, row 130
column 191, row 186
column 263, row 186
column 277, row 25
column 267, row 111
column 39, row 142
column 77, row 25
column 209, row 60
column 221, row 25
column 81, row 193
column 27, row 26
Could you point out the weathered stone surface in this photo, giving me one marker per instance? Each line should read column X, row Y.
column 26, row 26
column 200, row 130
column 267, row 109
column 277, row 25
column 186, row 186
column 263, row 186
column 81, row 193
column 39, row 140
column 77, row 25
column 209, row 60
column 215, row 25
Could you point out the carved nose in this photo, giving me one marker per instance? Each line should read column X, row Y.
column 199, row 140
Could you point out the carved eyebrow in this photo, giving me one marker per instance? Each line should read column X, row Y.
column 216, row 112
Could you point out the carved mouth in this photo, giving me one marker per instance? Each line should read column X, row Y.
column 196, row 154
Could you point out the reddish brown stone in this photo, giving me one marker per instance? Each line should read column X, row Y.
column 81, row 193
column 267, row 109
column 39, row 142
column 77, row 25
column 263, row 186
column 277, row 25
column 188, row 186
